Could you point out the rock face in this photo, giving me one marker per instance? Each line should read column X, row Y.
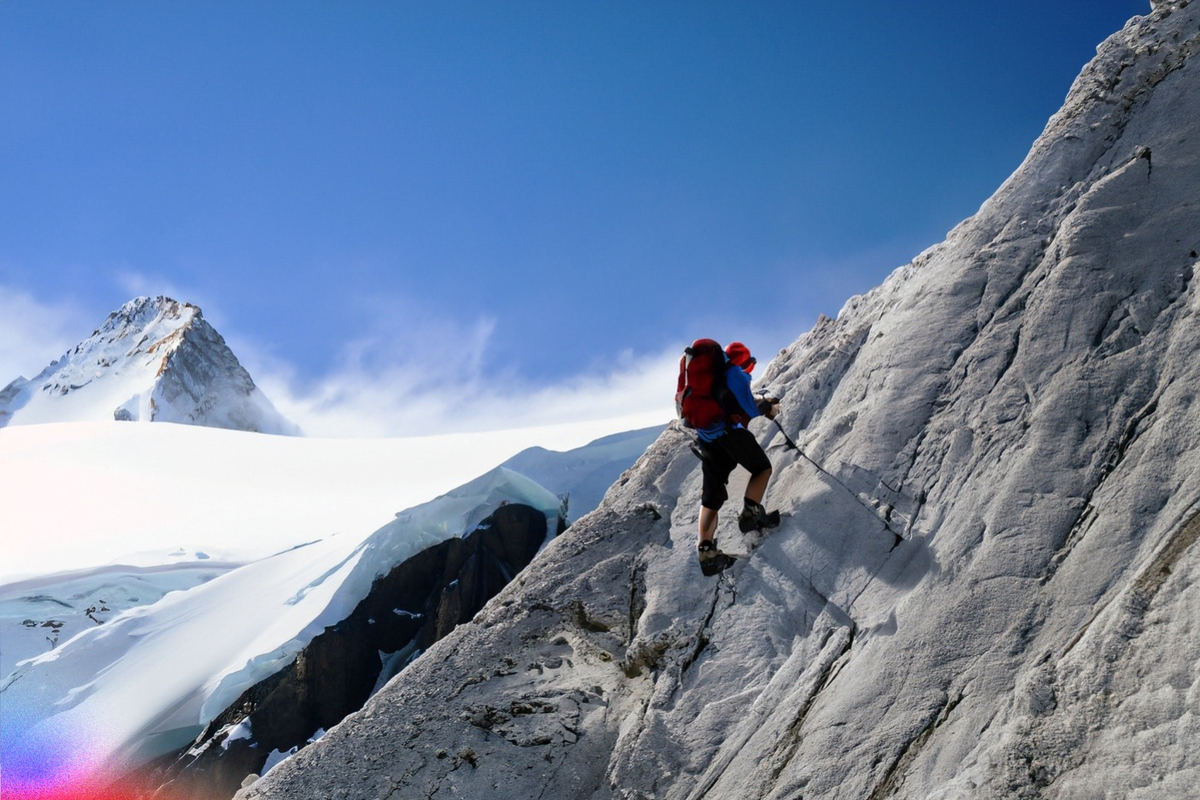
column 1020, row 402
column 407, row 610
column 154, row 359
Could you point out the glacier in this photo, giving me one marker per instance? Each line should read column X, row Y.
column 147, row 681
column 38, row 614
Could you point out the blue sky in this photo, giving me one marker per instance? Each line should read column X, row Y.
column 533, row 200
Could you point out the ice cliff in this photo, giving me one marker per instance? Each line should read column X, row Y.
column 153, row 359
column 1020, row 401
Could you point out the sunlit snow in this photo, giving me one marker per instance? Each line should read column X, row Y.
column 87, row 494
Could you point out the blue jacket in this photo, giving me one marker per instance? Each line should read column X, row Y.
column 739, row 384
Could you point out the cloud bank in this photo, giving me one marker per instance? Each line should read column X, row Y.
column 411, row 376
column 405, row 372
column 33, row 333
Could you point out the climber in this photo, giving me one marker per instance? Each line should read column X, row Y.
column 714, row 397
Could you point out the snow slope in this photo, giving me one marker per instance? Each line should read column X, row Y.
column 146, row 682
column 584, row 474
column 38, row 614
column 1021, row 401
column 187, row 505
column 153, row 359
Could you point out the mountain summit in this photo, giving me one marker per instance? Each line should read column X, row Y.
column 153, row 359
column 1019, row 403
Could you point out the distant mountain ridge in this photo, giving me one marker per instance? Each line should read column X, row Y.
column 153, row 359
column 585, row 473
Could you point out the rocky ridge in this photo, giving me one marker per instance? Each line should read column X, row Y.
column 1019, row 403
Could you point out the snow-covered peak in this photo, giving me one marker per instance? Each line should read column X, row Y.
column 142, row 313
column 153, row 359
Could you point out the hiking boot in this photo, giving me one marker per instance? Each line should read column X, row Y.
column 756, row 518
column 712, row 560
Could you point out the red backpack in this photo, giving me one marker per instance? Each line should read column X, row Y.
column 702, row 398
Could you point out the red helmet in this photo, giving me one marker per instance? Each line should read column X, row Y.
column 739, row 354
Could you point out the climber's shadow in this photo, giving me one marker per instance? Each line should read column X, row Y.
column 837, row 544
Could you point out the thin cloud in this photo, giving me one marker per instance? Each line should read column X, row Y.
column 403, row 403
column 33, row 333
column 413, row 374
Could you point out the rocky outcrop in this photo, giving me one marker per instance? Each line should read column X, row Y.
column 1020, row 403
column 153, row 359
column 414, row 605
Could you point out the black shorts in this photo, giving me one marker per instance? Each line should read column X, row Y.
column 737, row 446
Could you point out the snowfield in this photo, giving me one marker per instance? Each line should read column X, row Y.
column 86, row 494
column 39, row 614
column 146, row 682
